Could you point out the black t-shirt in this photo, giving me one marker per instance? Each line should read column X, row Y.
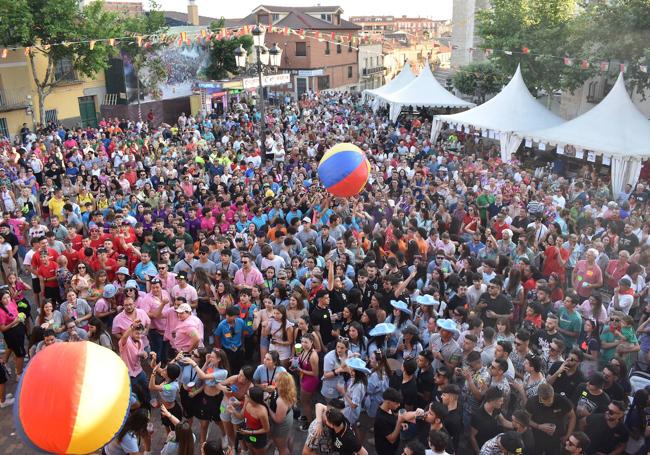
column 486, row 425
column 320, row 318
column 594, row 404
column 554, row 414
column 454, row 425
column 628, row 242
column 384, row 425
column 425, row 382
column 455, row 302
column 566, row 384
column 500, row 305
column 346, row 442
column 338, row 301
column 410, row 395
column 603, row 438
column 615, row 392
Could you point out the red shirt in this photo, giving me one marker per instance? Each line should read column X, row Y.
column 76, row 242
column 47, row 272
column 73, row 259
column 36, row 259
column 110, row 266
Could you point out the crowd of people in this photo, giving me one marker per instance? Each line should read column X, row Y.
column 458, row 304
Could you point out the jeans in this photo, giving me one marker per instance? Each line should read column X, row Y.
column 159, row 345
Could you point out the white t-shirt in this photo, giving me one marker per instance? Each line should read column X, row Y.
column 28, row 261
column 624, row 302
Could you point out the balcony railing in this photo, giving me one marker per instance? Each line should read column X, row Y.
column 371, row 71
column 11, row 100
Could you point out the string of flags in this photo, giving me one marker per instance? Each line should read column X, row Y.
column 204, row 36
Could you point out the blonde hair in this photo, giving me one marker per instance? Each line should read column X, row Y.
column 286, row 387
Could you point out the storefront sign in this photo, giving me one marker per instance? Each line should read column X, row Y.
column 267, row 81
column 311, row 73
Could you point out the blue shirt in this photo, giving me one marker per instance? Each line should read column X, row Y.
column 231, row 337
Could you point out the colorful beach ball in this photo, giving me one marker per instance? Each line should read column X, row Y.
column 344, row 170
column 73, row 398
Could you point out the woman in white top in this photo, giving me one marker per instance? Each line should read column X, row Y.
column 281, row 332
column 127, row 441
column 333, row 369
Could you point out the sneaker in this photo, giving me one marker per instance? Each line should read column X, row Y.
column 8, row 402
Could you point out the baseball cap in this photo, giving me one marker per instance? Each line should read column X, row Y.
column 184, row 308
column 155, row 281
column 306, row 220
column 511, row 441
column 182, row 275
column 123, row 256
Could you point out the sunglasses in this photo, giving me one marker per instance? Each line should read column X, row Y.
column 81, row 267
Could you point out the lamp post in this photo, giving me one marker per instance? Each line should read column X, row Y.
column 265, row 59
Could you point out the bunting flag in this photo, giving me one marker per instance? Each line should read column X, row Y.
column 488, row 52
column 91, row 45
column 111, row 41
column 622, row 67
column 507, row 52
column 5, row 52
column 332, row 36
column 584, row 64
column 643, row 68
column 285, row 32
column 567, row 61
column 317, row 36
column 204, row 33
column 604, row 66
column 27, row 51
column 301, row 33
column 138, row 40
column 525, row 50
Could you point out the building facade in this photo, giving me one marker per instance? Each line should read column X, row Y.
column 371, row 66
column 74, row 100
column 463, row 35
column 314, row 64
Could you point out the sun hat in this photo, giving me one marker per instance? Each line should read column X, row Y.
column 109, row 291
column 184, row 308
column 357, row 364
column 123, row 271
column 131, row 284
column 447, row 324
column 426, row 300
column 385, row 328
column 402, row 306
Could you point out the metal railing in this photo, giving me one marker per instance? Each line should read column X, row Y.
column 375, row 70
column 13, row 99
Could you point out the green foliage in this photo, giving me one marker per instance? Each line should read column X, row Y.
column 222, row 53
column 618, row 30
column 479, row 78
column 545, row 28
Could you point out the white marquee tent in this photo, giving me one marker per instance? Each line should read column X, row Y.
column 615, row 128
column 513, row 109
column 401, row 80
column 423, row 91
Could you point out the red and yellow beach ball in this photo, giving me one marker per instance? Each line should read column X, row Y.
column 344, row 170
column 73, row 398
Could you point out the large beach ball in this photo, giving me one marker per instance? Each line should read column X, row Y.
column 344, row 170
column 73, row 398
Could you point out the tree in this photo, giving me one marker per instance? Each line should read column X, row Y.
column 150, row 70
column 222, row 53
column 618, row 31
column 41, row 25
column 544, row 27
column 479, row 79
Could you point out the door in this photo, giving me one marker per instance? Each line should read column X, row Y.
column 87, row 111
column 301, row 86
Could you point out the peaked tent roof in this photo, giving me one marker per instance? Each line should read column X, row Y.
column 404, row 77
column 513, row 109
column 424, row 90
column 614, row 127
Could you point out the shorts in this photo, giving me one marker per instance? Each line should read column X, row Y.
column 15, row 340
column 209, row 407
column 321, row 444
column 177, row 411
column 255, row 440
column 36, row 285
column 226, row 416
column 190, row 404
column 265, row 342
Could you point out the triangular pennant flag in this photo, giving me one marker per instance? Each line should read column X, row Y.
column 204, row 33
column 507, row 52
column 28, row 50
column 285, row 31
column 5, row 52
column 138, row 40
column 111, row 41
column 525, row 50
column 584, row 64
column 622, row 67
column 183, row 36
column 643, row 68
column 301, row 33
column 604, row 66
column 332, row 36
column 488, row 52
column 567, row 61
column 91, row 44
column 349, row 37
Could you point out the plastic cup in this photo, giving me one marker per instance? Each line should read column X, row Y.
column 298, row 348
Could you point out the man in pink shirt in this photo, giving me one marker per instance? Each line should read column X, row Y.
column 129, row 314
column 132, row 352
column 167, row 278
column 169, row 314
column 189, row 331
column 248, row 276
column 186, row 290
column 150, row 302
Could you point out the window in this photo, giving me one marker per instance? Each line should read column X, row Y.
column 51, row 116
column 301, row 49
column 349, row 72
column 326, row 17
column 327, row 48
column 350, row 46
column 275, row 17
column 323, row 82
column 63, row 70
column 4, row 131
column 338, row 48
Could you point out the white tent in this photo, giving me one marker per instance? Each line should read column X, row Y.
column 423, row 91
column 615, row 128
column 513, row 109
column 402, row 79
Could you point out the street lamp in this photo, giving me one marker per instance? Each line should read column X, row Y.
column 265, row 59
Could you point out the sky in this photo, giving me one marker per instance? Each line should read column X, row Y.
column 434, row 9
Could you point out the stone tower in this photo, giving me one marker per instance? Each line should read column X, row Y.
column 463, row 32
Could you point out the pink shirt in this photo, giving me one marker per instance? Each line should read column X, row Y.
column 9, row 316
column 171, row 322
column 189, row 292
column 130, row 353
column 183, row 339
column 251, row 278
column 149, row 304
column 101, row 306
column 122, row 322
column 169, row 282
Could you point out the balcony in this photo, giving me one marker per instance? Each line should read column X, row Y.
column 370, row 71
column 13, row 100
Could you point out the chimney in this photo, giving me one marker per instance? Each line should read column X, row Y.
column 192, row 13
